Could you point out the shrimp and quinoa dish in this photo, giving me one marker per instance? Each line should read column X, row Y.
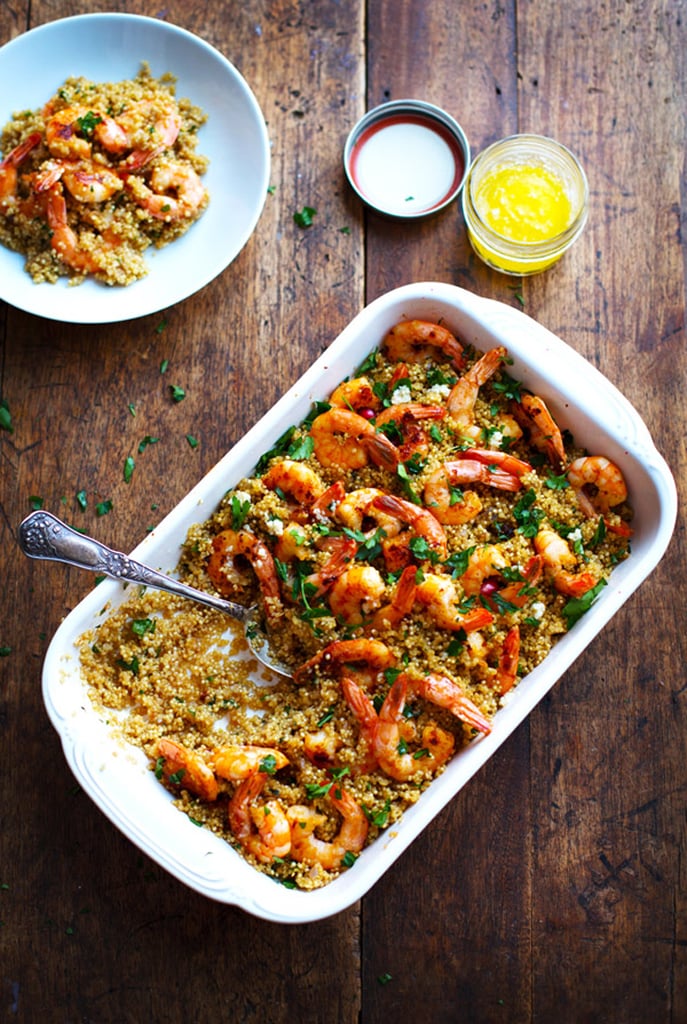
column 418, row 544
column 97, row 175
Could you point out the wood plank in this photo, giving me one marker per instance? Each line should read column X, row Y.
column 127, row 942
column 606, row 802
column 459, row 899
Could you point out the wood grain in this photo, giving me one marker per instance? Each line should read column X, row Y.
column 553, row 886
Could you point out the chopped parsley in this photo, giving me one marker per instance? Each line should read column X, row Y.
column 578, row 606
column 5, row 417
column 527, row 515
column 305, row 217
column 88, row 123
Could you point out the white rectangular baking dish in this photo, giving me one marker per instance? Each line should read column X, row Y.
column 116, row 776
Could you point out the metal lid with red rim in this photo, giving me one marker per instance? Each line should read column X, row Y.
column 407, row 159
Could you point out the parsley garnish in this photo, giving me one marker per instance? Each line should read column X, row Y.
column 577, row 606
column 508, row 387
column 458, row 561
column 239, row 511
column 278, row 448
column 5, row 417
column 301, row 448
column 142, row 445
column 268, row 765
column 88, row 123
column 527, row 515
column 378, row 818
column 304, row 218
column 142, row 626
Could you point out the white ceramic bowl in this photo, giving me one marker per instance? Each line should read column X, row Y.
column 111, row 47
column 581, row 399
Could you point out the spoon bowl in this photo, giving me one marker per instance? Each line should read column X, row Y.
column 42, row 535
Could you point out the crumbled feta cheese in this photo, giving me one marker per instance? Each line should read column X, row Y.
column 538, row 609
column 438, row 391
column 575, row 535
column 275, row 527
column 400, row 395
column 496, row 438
column 242, row 496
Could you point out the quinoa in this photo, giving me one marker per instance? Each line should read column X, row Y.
column 382, row 693
column 97, row 175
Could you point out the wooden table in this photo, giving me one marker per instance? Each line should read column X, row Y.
column 553, row 887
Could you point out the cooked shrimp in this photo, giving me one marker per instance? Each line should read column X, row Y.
column 444, row 496
column 236, row 762
column 185, row 768
column 321, row 747
column 402, row 601
column 420, row 520
column 176, row 192
column 161, row 128
column 356, row 594
column 439, row 595
column 85, row 180
column 508, row 427
column 461, row 401
column 447, row 502
column 532, row 413
column 356, row 394
column 485, row 561
column 343, row 438
column 8, row 169
column 63, row 239
column 295, row 479
column 416, row 341
column 414, row 410
column 111, row 135
column 67, row 133
column 358, row 512
column 446, row 693
column 507, row 670
column 224, row 568
column 388, row 741
column 518, row 592
column 263, row 830
column 326, row 505
column 499, row 459
column 405, row 418
column 364, row 712
column 603, row 478
column 558, row 561
column 365, row 654
column 340, row 553
column 292, row 543
column 307, row 848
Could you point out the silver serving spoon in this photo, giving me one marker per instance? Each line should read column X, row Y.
column 43, row 535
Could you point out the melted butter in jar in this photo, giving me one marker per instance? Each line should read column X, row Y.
column 524, row 202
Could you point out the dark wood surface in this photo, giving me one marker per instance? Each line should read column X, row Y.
column 553, row 887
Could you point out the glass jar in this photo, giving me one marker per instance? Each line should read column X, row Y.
column 525, row 202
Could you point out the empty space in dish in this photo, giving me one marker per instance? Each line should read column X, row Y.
column 582, row 401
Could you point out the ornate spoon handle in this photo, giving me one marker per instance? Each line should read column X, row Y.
column 43, row 535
